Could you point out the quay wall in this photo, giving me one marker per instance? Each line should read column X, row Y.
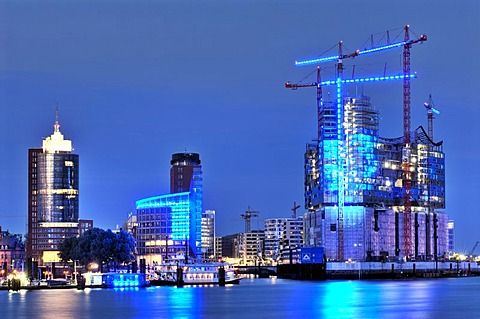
column 379, row 270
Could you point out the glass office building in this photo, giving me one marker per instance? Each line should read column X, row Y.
column 168, row 224
column 172, row 223
column 53, row 197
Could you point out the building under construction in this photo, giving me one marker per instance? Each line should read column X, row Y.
column 369, row 197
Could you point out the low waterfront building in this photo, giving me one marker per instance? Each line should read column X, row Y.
column 246, row 248
column 218, row 248
column 84, row 225
column 274, row 231
column 292, row 236
column 281, row 233
column 251, row 248
column 12, row 253
column 451, row 237
column 231, row 245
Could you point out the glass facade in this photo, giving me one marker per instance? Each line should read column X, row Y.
column 57, row 199
column 371, row 166
column 58, row 186
column 352, row 154
column 168, row 220
column 352, row 172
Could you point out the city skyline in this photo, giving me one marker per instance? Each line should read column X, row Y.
column 136, row 83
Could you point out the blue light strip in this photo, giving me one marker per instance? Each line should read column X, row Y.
column 160, row 201
column 360, row 52
column 338, row 157
column 370, row 79
column 339, row 83
column 385, row 47
column 315, row 61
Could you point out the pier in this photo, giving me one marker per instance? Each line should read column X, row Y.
column 261, row 271
column 379, row 270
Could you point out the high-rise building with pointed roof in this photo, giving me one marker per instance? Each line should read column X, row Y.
column 53, row 195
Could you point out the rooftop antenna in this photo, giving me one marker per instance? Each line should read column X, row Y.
column 56, row 126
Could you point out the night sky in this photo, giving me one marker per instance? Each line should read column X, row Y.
column 138, row 81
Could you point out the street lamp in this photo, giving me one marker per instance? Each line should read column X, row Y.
column 93, row 266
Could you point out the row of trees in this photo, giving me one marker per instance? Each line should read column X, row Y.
column 101, row 246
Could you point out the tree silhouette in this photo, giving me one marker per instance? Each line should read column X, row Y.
column 101, row 246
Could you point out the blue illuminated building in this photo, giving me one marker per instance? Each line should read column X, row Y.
column 171, row 224
column 371, row 183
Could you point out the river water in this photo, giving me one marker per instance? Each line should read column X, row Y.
column 258, row 298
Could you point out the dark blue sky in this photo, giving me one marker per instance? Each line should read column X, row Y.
column 137, row 82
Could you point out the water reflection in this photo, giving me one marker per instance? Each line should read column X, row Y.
column 258, row 298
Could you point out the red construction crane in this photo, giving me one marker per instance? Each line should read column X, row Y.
column 406, row 154
column 289, row 85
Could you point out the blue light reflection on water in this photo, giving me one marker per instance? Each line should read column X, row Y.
column 257, row 298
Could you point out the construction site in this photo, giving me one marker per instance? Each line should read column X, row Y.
column 370, row 198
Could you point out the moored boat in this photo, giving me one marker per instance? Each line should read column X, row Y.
column 114, row 280
column 179, row 274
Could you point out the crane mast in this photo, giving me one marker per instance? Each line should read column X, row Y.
column 248, row 217
column 430, row 118
column 294, row 210
column 430, row 110
column 406, row 154
column 340, row 155
column 406, row 88
column 319, row 105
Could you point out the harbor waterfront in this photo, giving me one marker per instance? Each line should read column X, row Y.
column 261, row 298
